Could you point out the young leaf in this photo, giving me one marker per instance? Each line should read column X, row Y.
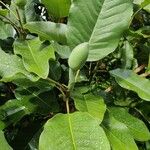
column 137, row 128
column 73, row 131
column 11, row 67
column 118, row 135
column 98, row 22
column 48, row 30
column 57, row 8
column 131, row 81
column 35, row 56
column 90, row 103
column 3, row 143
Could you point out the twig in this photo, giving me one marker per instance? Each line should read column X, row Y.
column 109, row 89
column 137, row 70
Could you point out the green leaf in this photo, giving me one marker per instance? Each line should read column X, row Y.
column 63, row 50
column 30, row 13
column 2, row 125
column 145, row 4
column 57, row 8
column 41, row 101
column 98, row 21
column 131, row 81
column 35, row 56
column 118, row 134
column 12, row 111
column 127, row 55
column 11, row 67
column 55, row 70
column 137, row 127
column 6, row 30
column 3, row 144
column 48, row 30
column 3, row 12
column 73, row 131
column 90, row 103
column 29, row 101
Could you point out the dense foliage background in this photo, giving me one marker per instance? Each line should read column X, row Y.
column 100, row 100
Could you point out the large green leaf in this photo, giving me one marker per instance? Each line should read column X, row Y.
column 90, row 103
column 57, row 8
column 101, row 22
column 77, row 131
column 118, row 135
column 3, row 143
column 35, row 56
column 11, row 67
column 136, row 126
column 131, row 81
column 48, row 30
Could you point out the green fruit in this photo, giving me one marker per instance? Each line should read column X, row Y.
column 20, row 3
column 78, row 56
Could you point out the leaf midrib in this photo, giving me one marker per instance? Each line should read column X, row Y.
column 71, row 132
column 96, row 22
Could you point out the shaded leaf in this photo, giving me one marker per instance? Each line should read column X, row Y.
column 48, row 30
column 131, row 81
column 137, row 128
column 35, row 56
column 54, row 70
column 73, row 131
column 63, row 50
column 38, row 100
column 127, row 55
column 99, row 23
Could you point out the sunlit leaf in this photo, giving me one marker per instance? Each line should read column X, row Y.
column 57, row 8
column 118, row 135
column 73, row 131
column 90, row 103
column 11, row 67
column 137, row 127
column 35, row 56
column 3, row 143
column 99, row 23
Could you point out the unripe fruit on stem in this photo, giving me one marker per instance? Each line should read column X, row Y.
column 78, row 56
